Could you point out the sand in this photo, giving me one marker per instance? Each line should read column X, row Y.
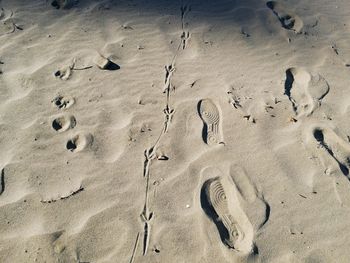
column 174, row 131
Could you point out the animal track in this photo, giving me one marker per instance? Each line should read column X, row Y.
column 220, row 202
column 304, row 90
column 185, row 38
column 63, row 102
column 79, row 142
column 169, row 70
column 64, row 73
column 288, row 19
column 64, row 123
column 146, row 218
column 210, row 116
column 235, row 101
column 151, row 153
column 7, row 22
column 169, row 113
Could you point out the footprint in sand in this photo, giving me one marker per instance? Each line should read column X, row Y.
column 5, row 14
column 63, row 123
column 304, row 90
column 337, row 148
column 65, row 73
column 8, row 24
column 333, row 152
column 65, row 4
column 210, row 116
column 288, row 19
column 220, row 202
column 256, row 207
column 63, row 102
column 79, row 142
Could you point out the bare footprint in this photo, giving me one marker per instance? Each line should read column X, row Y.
column 210, row 116
column 79, row 142
column 63, row 102
column 63, row 123
column 304, row 90
column 219, row 201
column 288, row 19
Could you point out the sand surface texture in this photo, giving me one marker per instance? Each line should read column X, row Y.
column 174, row 131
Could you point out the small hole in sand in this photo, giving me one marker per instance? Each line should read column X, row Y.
column 57, row 125
column 318, row 134
column 112, row 66
column 71, row 145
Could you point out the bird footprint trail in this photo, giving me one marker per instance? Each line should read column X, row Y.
column 169, row 70
column 146, row 218
column 169, row 113
column 304, row 90
column 185, row 36
column 210, row 116
column 219, row 201
column 288, row 19
column 150, row 153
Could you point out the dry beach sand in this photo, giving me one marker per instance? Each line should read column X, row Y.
column 174, row 131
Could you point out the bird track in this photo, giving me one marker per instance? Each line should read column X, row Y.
column 150, row 153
